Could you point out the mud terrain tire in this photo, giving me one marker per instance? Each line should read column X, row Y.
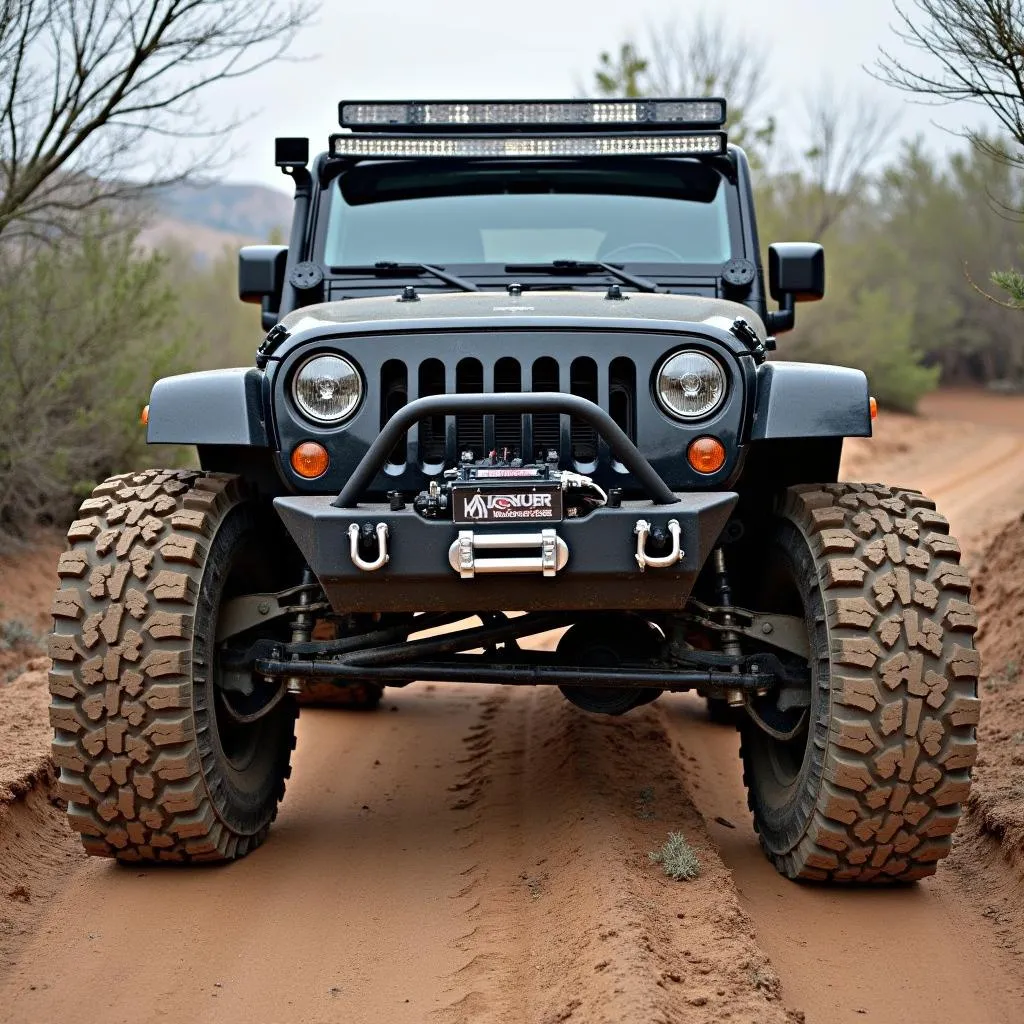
column 145, row 765
column 891, row 734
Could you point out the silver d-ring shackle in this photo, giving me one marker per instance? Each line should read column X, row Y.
column 644, row 560
column 382, row 548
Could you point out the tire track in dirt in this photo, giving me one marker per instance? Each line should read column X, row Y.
column 480, row 854
column 570, row 920
column 922, row 954
column 350, row 912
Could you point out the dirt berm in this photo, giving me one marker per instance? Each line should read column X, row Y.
column 998, row 797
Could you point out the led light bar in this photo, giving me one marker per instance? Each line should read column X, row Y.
column 468, row 146
column 537, row 115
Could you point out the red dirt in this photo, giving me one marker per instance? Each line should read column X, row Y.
column 36, row 849
column 27, row 581
column 475, row 854
column 998, row 797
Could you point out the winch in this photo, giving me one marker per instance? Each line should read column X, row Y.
column 504, row 489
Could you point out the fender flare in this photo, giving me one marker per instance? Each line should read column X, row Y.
column 803, row 400
column 212, row 407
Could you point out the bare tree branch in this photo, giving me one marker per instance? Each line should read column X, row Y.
column 710, row 58
column 846, row 137
column 973, row 53
column 83, row 83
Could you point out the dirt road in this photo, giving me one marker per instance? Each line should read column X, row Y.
column 480, row 854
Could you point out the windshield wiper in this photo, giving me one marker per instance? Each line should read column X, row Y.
column 386, row 268
column 641, row 284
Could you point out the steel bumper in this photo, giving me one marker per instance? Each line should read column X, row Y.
column 400, row 561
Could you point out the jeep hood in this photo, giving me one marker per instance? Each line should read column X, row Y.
column 533, row 308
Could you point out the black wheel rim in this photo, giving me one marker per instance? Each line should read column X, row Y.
column 247, row 751
column 790, row 587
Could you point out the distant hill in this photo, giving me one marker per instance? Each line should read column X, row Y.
column 211, row 217
column 251, row 211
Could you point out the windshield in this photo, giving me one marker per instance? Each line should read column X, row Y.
column 672, row 212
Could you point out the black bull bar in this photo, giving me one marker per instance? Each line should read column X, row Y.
column 504, row 402
column 587, row 563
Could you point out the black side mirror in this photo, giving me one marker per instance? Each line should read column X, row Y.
column 261, row 277
column 796, row 273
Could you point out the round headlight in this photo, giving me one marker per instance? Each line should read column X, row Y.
column 327, row 389
column 691, row 385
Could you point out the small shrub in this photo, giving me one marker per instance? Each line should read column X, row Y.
column 677, row 858
column 14, row 633
column 645, row 804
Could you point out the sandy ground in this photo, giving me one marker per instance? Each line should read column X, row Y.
column 27, row 581
column 480, row 854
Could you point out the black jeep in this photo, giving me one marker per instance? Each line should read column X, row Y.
column 517, row 379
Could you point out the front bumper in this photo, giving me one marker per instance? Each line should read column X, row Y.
column 600, row 572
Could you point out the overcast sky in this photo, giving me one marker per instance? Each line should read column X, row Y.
column 406, row 49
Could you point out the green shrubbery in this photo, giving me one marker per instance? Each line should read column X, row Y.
column 913, row 241
column 86, row 326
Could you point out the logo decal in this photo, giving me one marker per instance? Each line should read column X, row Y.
column 511, row 504
column 502, row 506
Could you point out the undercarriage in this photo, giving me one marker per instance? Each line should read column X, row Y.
column 685, row 651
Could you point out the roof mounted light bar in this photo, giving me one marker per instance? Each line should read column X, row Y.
column 385, row 147
column 531, row 115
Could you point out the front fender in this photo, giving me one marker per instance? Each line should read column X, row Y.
column 213, row 407
column 810, row 400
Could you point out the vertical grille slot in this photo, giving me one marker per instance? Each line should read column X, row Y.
column 431, row 381
column 394, row 393
column 469, row 430
column 622, row 394
column 439, row 440
column 545, row 424
column 508, row 426
column 583, row 382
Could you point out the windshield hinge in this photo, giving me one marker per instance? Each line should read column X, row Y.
column 278, row 333
column 742, row 330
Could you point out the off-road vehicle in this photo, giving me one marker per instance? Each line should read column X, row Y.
column 517, row 378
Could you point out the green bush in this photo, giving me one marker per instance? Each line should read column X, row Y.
column 86, row 325
column 875, row 331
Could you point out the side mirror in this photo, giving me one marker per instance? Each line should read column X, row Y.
column 261, row 277
column 260, row 271
column 796, row 273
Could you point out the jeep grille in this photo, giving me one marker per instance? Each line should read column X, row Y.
column 439, row 440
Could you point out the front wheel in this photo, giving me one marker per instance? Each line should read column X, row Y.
column 163, row 753
column 867, row 782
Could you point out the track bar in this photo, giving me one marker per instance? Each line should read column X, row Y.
column 516, row 675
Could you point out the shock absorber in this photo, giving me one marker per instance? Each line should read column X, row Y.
column 302, row 626
column 735, row 698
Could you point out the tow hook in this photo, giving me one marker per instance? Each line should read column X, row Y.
column 382, row 548
column 643, row 531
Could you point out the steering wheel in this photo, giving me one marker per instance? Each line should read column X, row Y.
column 644, row 247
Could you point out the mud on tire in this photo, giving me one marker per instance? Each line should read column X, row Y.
column 143, row 763
column 891, row 733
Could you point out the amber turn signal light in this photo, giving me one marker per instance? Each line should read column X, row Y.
column 874, row 408
column 144, row 416
column 310, row 460
column 706, row 454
